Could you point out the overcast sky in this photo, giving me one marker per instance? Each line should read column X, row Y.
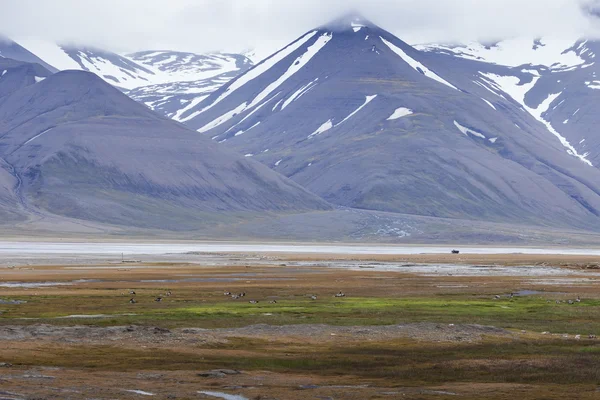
column 234, row 25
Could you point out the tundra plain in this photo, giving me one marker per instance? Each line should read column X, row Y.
column 420, row 326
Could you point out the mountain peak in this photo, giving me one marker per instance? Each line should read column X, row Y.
column 352, row 20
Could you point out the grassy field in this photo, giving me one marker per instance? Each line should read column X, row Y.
column 536, row 313
column 526, row 363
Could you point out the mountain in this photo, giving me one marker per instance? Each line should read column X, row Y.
column 193, row 77
column 167, row 82
column 72, row 145
column 187, row 67
column 113, row 68
column 561, row 84
column 364, row 120
column 148, row 68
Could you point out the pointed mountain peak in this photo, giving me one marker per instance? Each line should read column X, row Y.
column 351, row 21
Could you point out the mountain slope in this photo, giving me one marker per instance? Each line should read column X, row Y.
column 361, row 118
column 74, row 146
column 555, row 80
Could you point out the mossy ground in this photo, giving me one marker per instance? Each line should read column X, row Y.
column 529, row 366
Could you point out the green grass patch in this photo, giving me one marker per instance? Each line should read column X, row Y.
column 530, row 313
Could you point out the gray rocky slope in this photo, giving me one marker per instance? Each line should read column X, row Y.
column 361, row 118
column 74, row 146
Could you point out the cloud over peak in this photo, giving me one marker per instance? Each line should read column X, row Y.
column 208, row 25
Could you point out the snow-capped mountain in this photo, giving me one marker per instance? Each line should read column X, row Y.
column 12, row 50
column 361, row 118
column 127, row 72
column 194, row 78
column 113, row 68
column 553, row 79
column 187, row 67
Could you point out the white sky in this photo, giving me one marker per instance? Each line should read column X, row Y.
column 235, row 25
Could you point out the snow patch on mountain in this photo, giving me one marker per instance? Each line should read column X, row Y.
column 416, row 65
column 490, row 104
column 538, row 114
column 251, row 114
column 223, row 118
column 510, row 85
column 37, row 136
column 293, row 69
column 356, row 27
column 400, row 113
column 189, row 105
column 368, row 99
column 553, row 53
column 593, row 85
column 258, row 70
column 172, row 66
column 322, row 129
column 296, row 66
column 466, row 131
column 51, row 53
column 513, row 86
column 240, row 133
column 299, row 93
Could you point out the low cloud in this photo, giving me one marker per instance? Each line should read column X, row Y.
column 233, row 25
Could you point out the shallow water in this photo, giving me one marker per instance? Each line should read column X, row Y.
column 33, row 285
column 116, row 249
column 140, row 392
column 463, row 270
column 225, row 396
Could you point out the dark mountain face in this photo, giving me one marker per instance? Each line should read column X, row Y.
column 15, row 75
column 364, row 120
column 73, row 145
